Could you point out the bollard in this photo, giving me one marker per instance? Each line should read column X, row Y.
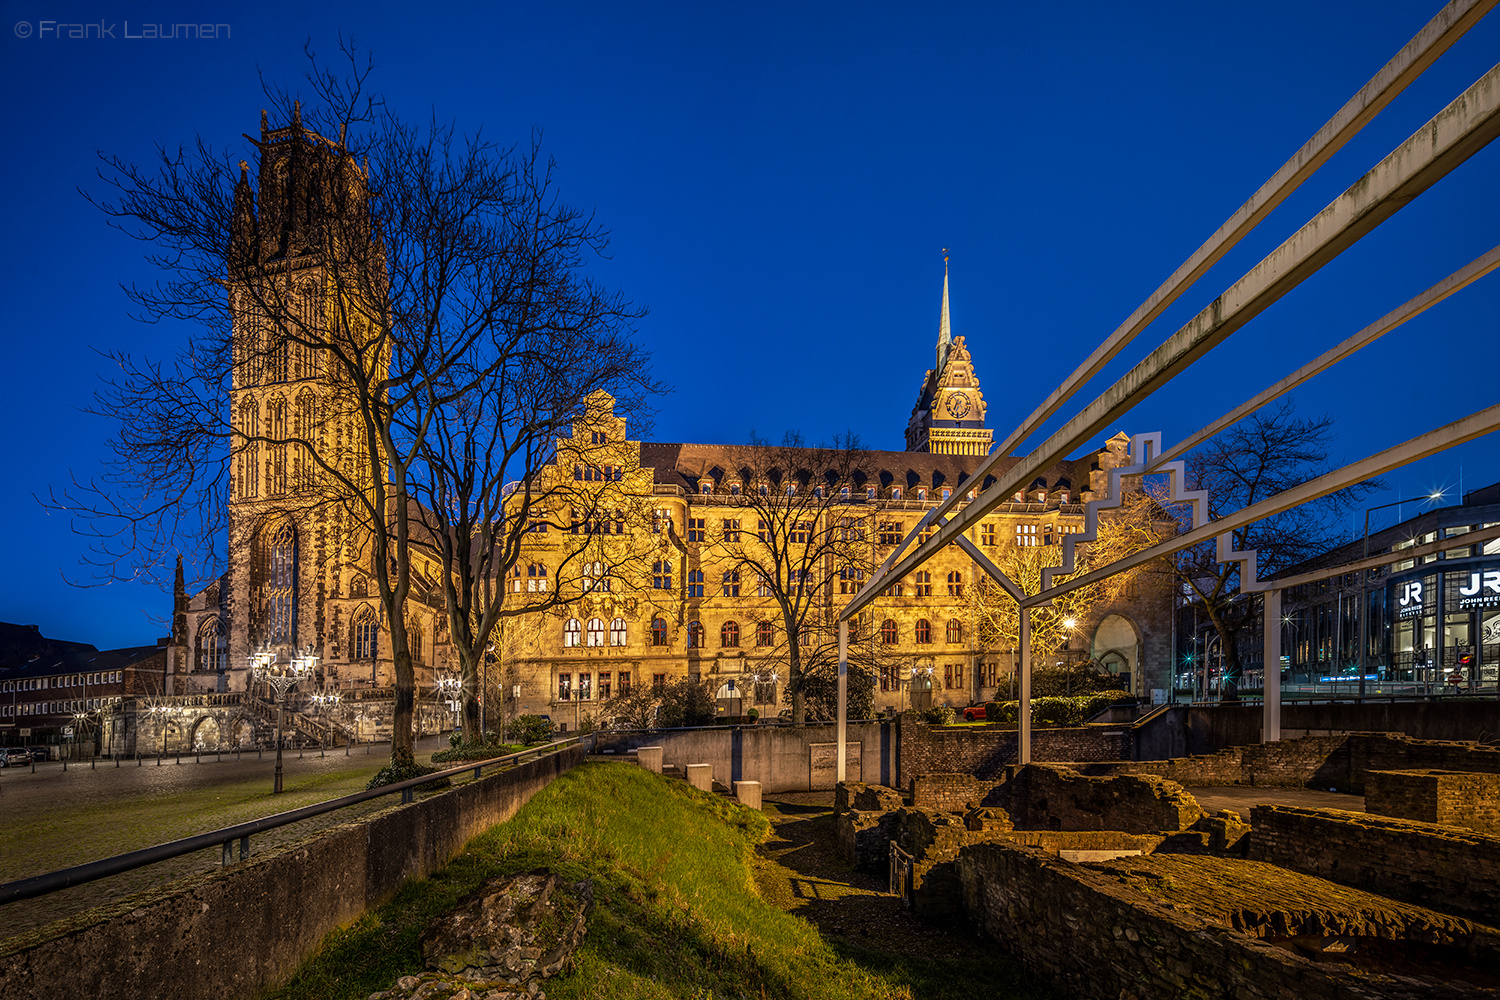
column 649, row 758
column 748, row 793
column 701, row 776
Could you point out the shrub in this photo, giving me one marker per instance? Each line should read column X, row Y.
column 753, row 714
column 939, row 715
column 993, row 712
column 686, row 703
column 1099, row 702
column 475, row 751
column 1054, row 711
column 529, row 729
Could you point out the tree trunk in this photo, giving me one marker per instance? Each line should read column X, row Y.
column 402, row 742
column 468, row 686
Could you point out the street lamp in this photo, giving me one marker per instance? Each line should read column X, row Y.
column 451, row 690
column 281, row 677
column 327, row 706
column 1364, row 581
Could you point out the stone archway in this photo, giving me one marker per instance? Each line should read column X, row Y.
column 206, row 734
column 241, row 732
column 1117, row 648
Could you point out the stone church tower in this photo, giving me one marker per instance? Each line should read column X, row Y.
column 290, row 546
column 948, row 418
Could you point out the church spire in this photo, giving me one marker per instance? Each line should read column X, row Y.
column 945, row 335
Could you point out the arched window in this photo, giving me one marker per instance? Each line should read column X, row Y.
column 211, row 652
column 729, row 635
column 358, row 586
column 617, row 632
column 596, row 632
column 955, row 633
column 924, row 630
column 276, row 429
column 658, row 631
column 365, row 635
column 888, row 632
column 247, row 465
column 414, row 639
column 305, row 429
column 955, row 584
column 765, row 634
column 695, row 635
column 572, row 634
column 274, row 582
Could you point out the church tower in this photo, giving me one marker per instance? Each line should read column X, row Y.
column 948, row 418
column 290, row 548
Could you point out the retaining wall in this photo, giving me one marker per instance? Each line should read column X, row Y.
column 1205, row 729
column 985, row 751
column 781, row 758
column 237, row 931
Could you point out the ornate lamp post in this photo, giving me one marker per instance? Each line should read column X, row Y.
column 450, row 689
column 281, row 677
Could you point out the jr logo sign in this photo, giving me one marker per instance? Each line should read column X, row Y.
column 1481, row 590
column 1411, row 594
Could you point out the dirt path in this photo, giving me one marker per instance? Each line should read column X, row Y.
column 799, row 869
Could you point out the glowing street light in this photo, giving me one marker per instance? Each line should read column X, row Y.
column 281, row 678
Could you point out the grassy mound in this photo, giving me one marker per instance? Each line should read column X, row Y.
column 676, row 916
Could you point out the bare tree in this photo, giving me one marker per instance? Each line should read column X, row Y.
column 804, row 532
column 423, row 281
column 1267, row 453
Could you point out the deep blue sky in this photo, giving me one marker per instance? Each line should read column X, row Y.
column 779, row 180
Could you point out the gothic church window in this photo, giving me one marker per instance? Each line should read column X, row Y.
column 365, row 635
column 211, row 652
column 247, row 472
column 274, row 582
column 277, row 430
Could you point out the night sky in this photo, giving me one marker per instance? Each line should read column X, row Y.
column 779, row 180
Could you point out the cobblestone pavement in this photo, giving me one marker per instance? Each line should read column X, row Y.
column 53, row 819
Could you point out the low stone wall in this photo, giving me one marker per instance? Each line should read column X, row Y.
column 954, row 793
column 1458, row 798
column 985, row 751
column 1447, row 868
column 237, row 931
column 1395, row 752
column 781, row 758
column 1096, row 937
column 1042, row 797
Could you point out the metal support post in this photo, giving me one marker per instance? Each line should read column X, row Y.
column 1270, row 727
column 1023, row 713
column 276, row 787
column 843, row 695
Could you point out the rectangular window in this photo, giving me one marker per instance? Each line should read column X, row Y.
column 661, row 575
column 924, row 584
column 695, row 529
column 661, row 520
column 658, row 682
column 986, row 534
column 801, row 532
column 851, row 529
column 891, row 532
column 894, row 590
column 597, row 437
column 604, row 694
column 624, row 683
column 926, row 534
column 762, row 586
column 564, row 687
column 585, row 687
column 695, row 583
column 732, row 583
column 731, row 529
column 764, row 531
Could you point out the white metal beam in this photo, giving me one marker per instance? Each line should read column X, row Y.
column 1461, row 129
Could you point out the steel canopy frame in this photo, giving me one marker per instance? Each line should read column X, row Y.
column 1461, row 129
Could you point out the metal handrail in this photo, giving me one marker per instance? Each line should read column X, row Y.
column 41, row 885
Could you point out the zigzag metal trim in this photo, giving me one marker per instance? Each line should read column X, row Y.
column 1142, row 448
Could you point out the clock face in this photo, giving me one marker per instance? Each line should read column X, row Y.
column 958, row 405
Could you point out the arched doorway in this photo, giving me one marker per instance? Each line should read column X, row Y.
column 730, row 698
column 1116, row 647
column 242, row 732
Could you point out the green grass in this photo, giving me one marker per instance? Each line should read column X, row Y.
column 677, row 914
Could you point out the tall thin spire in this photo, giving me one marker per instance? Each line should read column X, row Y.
column 945, row 335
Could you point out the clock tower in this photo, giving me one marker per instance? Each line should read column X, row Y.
column 949, row 416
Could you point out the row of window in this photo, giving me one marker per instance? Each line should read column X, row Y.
column 60, row 681
column 52, row 707
column 593, row 633
column 955, row 675
column 288, row 467
column 585, row 689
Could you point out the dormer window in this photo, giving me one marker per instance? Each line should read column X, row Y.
column 869, row 493
column 705, row 487
column 896, row 493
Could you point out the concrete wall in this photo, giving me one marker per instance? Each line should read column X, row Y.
column 781, row 758
column 1203, row 729
column 237, row 931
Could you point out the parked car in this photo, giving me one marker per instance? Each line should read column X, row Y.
column 974, row 713
column 15, row 757
column 40, row 753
